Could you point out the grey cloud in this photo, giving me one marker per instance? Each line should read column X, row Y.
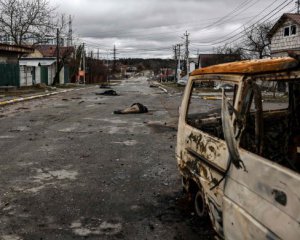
column 152, row 24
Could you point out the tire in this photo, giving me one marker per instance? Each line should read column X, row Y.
column 200, row 204
column 184, row 185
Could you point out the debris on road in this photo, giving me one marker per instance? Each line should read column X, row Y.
column 134, row 108
column 212, row 98
column 108, row 93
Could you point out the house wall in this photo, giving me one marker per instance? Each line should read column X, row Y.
column 37, row 75
column 280, row 44
column 25, row 76
column 51, row 74
column 35, row 54
column 8, row 58
column 192, row 66
column 62, row 76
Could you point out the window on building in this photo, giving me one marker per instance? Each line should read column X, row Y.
column 293, row 30
column 287, row 31
column 290, row 30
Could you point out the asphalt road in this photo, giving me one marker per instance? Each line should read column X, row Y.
column 70, row 169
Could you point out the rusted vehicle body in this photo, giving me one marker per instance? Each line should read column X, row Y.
column 238, row 148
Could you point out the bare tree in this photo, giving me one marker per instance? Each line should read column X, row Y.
column 257, row 43
column 232, row 50
column 21, row 19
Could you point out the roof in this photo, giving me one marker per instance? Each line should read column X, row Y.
column 50, row 50
column 250, row 66
column 295, row 17
column 7, row 48
column 34, row 62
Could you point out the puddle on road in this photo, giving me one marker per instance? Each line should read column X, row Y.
column 20, row 129
column 26, row 164
column 43, row 175
column 71, row 128
column 90, row 106
column 110, row 120
column 7, row 137
column 45, row 178
column 135, row 128
column 10, row 237
column 127, row 143
column 35, row 189
column 96, row 228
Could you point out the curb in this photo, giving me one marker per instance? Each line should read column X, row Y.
column 17, row 100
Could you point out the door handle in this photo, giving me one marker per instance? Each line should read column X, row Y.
column 280, row 197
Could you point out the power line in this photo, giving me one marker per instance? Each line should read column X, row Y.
column 238, row 10
column 235, row 35
column 245, row 31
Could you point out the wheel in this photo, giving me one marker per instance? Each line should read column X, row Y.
column 184, row 184
column 200, row 205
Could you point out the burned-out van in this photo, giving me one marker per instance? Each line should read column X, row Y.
column 238, row 147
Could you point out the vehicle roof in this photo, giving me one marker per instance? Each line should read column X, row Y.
column 250, row 67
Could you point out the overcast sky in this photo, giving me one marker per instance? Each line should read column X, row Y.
column 149, row 28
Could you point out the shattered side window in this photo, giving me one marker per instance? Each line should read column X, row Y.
column 274, row 95
column 275, row 134
column 204, row 110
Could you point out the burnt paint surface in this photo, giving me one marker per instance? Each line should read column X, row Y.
column 208, row 149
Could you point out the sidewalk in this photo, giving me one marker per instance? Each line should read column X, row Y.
column 6, row 100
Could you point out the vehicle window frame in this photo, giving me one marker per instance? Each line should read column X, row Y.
column 236, row 86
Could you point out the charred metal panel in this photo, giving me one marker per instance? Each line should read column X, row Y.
column 250, row 66
column 261, row 200
column 264, row 178
column 255, row 205
column 239, row 224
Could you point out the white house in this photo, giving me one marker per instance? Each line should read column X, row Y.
column 37, row 70
column 285, row 35
column 193, row 64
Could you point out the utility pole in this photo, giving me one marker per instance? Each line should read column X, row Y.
column 98, row 54
column 175, row 52
column 83, row 63
column 115, row 59
column 175, row 58
column 57, row 55
column 187, row 53
column 179, row 64
column 107, row 76
column 70, row 34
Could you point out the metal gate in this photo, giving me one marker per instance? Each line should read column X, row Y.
column 67, row 74
column 44, row 75
column 9, row 75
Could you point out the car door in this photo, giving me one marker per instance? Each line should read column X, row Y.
column 204, row 154
column 262, row 198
